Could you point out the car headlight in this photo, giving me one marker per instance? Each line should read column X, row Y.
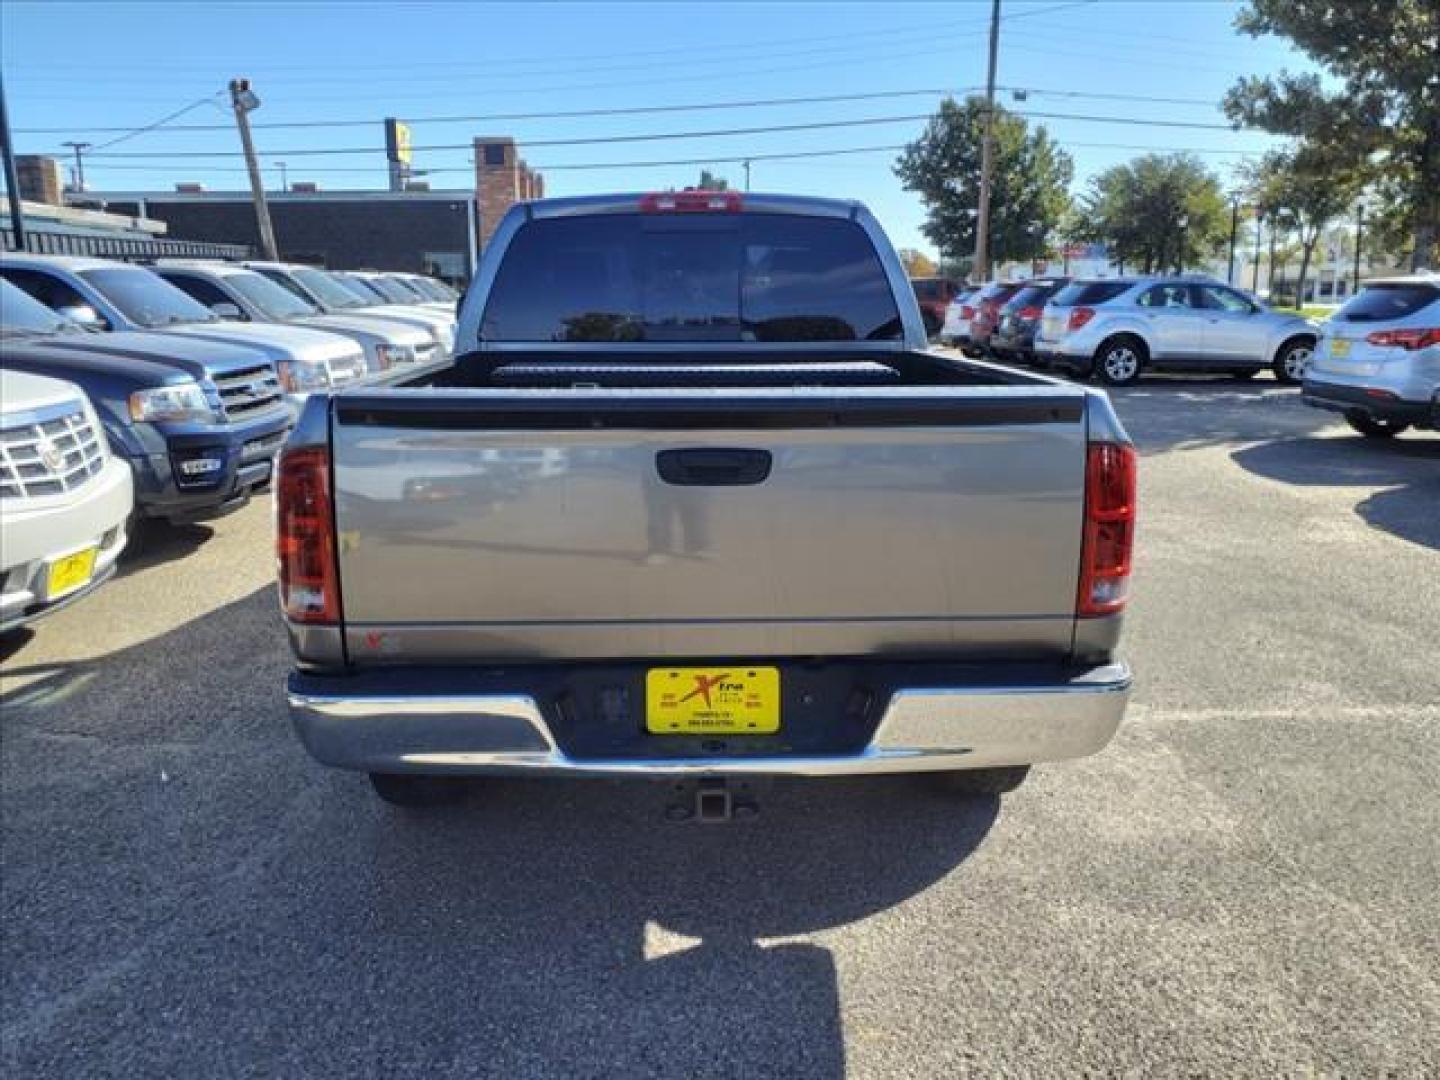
column 390, row 355
column 178, row 401
column 299, row 376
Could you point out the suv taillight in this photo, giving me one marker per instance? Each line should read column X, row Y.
column 1079, row 317
column 1406, row 339
column 305, row 537
column 1109, row 538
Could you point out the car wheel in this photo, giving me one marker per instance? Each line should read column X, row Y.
column 1244, row 372
column 1000, row 781
column 1119, row 362
column 1372, row 428
column 1292, row 360
column 409, row 790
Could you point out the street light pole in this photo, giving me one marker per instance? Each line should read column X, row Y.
column 284, row 181
column 12, row 180
column 747, row 174
column 244, row 101
column 1184, row 224
column 987, row 153
column 1259, row 236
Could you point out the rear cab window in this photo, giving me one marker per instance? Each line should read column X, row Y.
column 1089, row 293
column 691, row 278
column 1387, row 302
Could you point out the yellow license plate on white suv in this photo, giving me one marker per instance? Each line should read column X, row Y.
column 69, row 572
column 730, row 700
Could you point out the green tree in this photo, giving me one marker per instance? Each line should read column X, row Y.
column 1384, row 107
column 1158, row 212
column 1028, row 193
column 1307, row 189
column 710, row 182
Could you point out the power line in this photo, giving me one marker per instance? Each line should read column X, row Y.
column 719, row 160
column 672, row 135
column 641, row 110
column 569, row 114
column 162, row 121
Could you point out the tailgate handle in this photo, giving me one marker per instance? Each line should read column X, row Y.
column 706, row 466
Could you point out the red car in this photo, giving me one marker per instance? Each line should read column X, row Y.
column 934, row 294
column 989, row 301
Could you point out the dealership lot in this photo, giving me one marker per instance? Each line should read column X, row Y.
column 185, row 893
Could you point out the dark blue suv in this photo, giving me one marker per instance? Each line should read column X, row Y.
column 199, row 422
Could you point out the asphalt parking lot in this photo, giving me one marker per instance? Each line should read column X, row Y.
column 1244, row 883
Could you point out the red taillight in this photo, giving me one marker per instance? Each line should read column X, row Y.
column 967, row 312
column 1419, row 338
column 1079, row 317
column 690, row 202
column 305, row 537
column 1109, row 537
column 1030, row 314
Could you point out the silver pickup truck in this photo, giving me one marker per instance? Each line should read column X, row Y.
column 696, row 503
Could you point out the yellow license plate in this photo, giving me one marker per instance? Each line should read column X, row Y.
column 731, row 700
column 1339, row 348
column 68, row 573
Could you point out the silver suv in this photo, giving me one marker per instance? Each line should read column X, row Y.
column 1117, row 328
column 1378, row 358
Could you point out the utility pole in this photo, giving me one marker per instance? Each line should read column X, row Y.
column 245, row 102
column 12, row 181
column 987, row 153
column 79, row 148
column 747, row 174
column 1234, row 231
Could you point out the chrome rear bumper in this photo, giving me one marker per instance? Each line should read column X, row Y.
column 922, row 729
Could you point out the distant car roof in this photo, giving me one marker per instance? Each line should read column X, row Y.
column 73, row 263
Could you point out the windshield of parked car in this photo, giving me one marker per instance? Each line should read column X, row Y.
column 699, row 277
column 437, row 290
column 332, row 291
column 273, row 301
column 1031, row 296
column 389, row 291
column 1079, row 293
column 145, row 298
column 21, row 313
column 1383, row 303
column 412, row 291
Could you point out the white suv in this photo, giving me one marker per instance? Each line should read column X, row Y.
column 64, row 498
column 1119, row 328
column 1378, row 360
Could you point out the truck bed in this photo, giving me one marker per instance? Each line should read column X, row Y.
column 932, row 509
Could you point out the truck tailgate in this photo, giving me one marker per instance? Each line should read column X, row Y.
column 603, row 523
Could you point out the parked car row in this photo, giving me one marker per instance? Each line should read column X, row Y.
column 1116, row 329
column 136, row 392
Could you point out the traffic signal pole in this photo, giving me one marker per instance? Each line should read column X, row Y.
column 243, row 102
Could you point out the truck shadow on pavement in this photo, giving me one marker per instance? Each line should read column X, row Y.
column 1407, row 469
column 184, row 886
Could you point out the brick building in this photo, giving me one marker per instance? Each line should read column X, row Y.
column 502, row 179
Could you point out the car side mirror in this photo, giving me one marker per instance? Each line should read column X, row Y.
column 83, row 314
column 227, row 311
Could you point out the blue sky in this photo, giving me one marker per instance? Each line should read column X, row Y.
column 79, row 67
